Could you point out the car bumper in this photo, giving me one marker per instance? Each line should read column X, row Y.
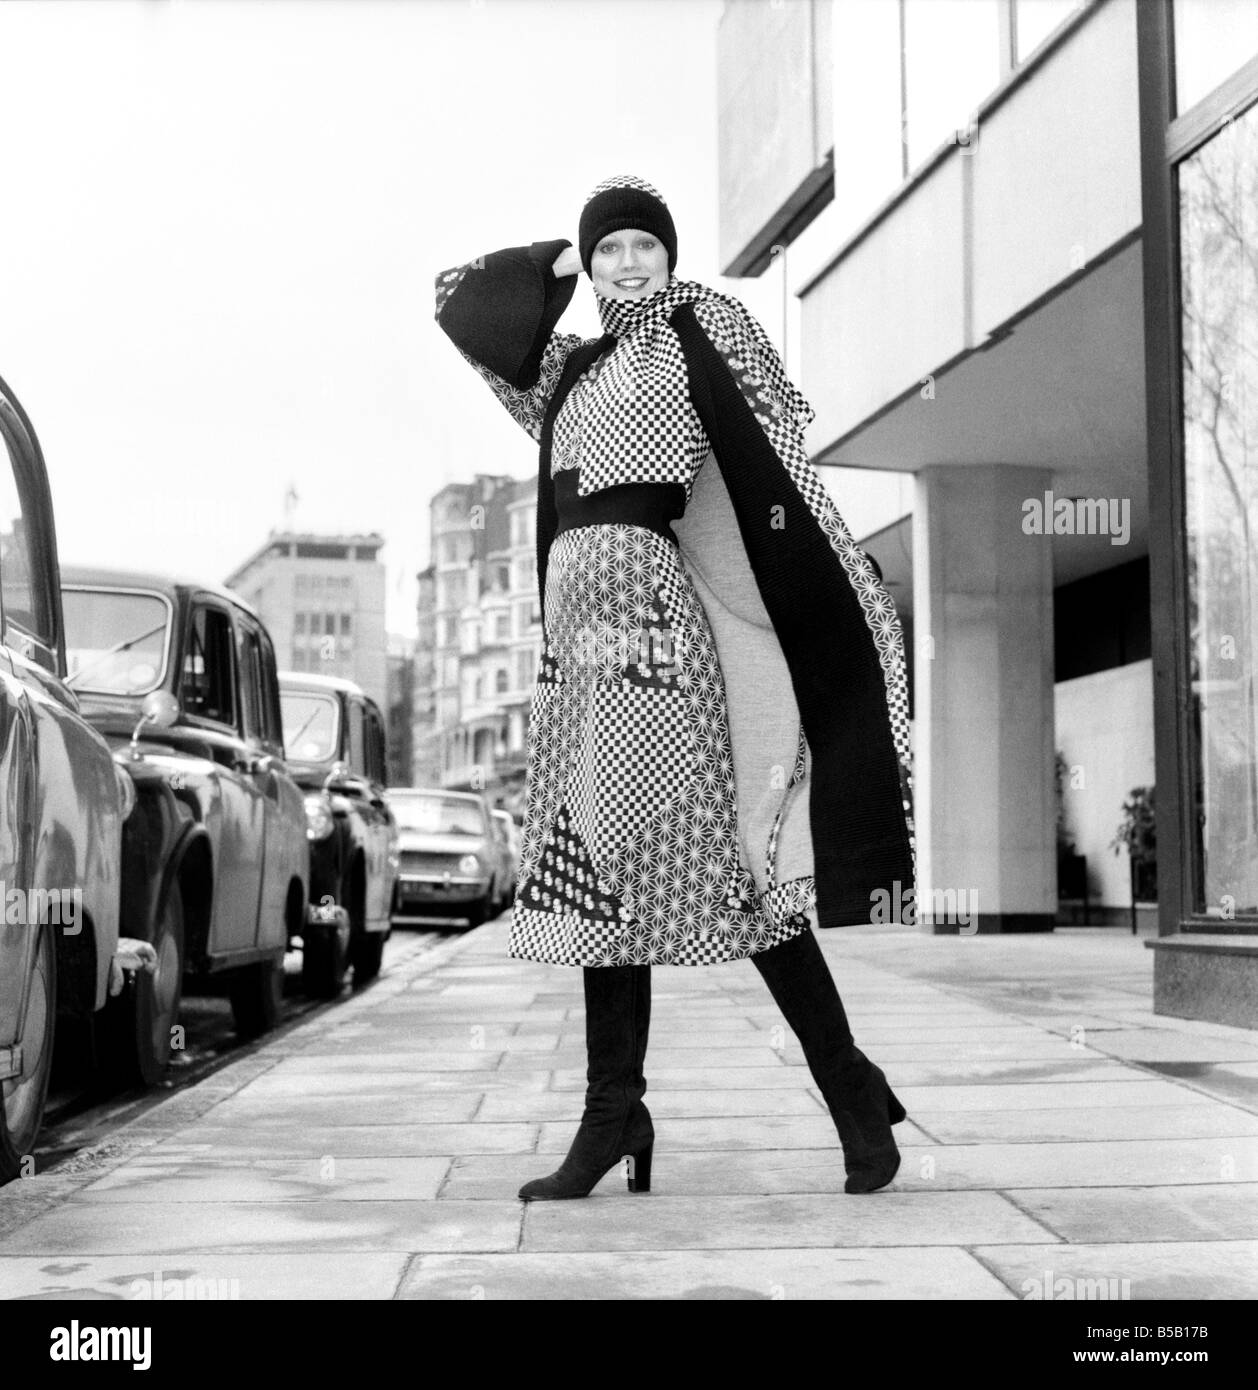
column 421, row 894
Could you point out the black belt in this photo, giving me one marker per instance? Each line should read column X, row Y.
column 652, row 505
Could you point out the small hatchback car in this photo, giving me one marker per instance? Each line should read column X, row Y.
column 180, row 677
column 452, row 860
column 335, row 742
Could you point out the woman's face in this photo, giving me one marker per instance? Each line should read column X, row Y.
column 629, row 264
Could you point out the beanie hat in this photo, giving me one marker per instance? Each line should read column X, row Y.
column 625, row 201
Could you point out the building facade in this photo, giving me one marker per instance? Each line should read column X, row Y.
column 322, row 599
column 478, row 605
column 957, row 194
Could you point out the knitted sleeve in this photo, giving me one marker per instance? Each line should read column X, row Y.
column 500, row 311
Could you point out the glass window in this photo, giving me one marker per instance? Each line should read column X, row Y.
column 115, row 642
column 345, row 624
column 26, row 604
column 377, row 749
column 272, row 722
column 1035, row 20
column 1218, row 203
column 357, row 741
column 299, row 624
column 208, row 688
column 1212, row 39
column 311, row 725
column 951, row 64
column 443, row 815
column 501, row 681
column 251, row 697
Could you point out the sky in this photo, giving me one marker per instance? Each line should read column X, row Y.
column 222, row 221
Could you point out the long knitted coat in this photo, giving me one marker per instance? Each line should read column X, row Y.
column 718, row 746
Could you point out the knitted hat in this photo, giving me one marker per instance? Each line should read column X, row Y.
column 620, row 202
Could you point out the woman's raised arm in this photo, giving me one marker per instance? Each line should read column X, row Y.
column 500, row 311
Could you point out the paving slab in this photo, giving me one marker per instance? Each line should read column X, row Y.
column 929, row 1272
column 230, row 1144
column 1202, row 1211
column 303, row 1275
column 176, row 1228
column 1204, row 1270
column 297, row 1179
column 613, row 1219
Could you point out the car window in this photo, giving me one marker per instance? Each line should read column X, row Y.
column 272, row 719
column 26, row 608
column 444, row 815
column 311, row 725
column 251, row 695
column 116, row 640
column 357, row 748
column 208, row 686
column 376, row 752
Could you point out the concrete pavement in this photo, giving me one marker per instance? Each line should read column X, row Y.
column 1058, row 1131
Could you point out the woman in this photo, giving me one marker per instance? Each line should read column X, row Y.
column 711, row 762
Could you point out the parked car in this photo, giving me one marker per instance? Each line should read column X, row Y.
column 509, row 834
column 180, row 677
column 62, row 804
column 335, row 742
column 451, row 858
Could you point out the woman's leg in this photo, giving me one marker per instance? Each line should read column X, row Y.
column 860, row 1102
column 615, row 1123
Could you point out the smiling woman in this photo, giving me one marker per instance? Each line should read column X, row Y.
column 706, row 775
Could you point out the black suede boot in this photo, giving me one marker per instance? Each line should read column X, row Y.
column 861, row 1103
column 615, row 1123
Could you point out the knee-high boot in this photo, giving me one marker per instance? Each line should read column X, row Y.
column 615, row 1123
column 861, row 1103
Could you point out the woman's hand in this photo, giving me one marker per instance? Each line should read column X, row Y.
column 569, row 262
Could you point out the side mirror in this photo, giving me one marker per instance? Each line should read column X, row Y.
column 160, row 709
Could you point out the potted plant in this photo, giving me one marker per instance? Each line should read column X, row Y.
column 1137, row 833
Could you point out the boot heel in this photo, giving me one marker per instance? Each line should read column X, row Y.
column 895, row 1111
column 639, row 1166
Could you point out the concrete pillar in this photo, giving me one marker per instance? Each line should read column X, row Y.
column 983, row 702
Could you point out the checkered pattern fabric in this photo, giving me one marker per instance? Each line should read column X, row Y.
column 630, row 849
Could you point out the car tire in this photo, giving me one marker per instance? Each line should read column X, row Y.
column 478, row 912
column 22, row 1103
column 324, row 961
column 367, row 954
column 257, row 995
column 139, row 1022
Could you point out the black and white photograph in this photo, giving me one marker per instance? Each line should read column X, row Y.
column 628, row 668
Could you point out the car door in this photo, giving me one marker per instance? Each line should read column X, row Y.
column 264, row 749
column 235, row 816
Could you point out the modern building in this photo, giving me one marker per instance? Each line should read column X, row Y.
column 478, row 605
column 323, row 601
column 1021, row 243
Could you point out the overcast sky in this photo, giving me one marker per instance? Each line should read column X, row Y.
column 222, row 223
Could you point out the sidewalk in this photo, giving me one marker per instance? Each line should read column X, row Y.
column 1058, row 1130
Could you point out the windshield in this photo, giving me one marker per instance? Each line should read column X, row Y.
column 310, row 726
column 115, row 641
column 440, row 815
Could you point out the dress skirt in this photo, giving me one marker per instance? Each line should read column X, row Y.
column 630, row 841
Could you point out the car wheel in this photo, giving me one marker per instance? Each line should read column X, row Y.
column 139, row 1022
column 324, row 959
column 22, row 1098
column 257, row 993
column 367, row 952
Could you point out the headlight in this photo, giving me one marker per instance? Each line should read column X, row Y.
column 126, row 789
column 469, row 864
column 319, row 822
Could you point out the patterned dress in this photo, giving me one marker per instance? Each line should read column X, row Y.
column 631, row 851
